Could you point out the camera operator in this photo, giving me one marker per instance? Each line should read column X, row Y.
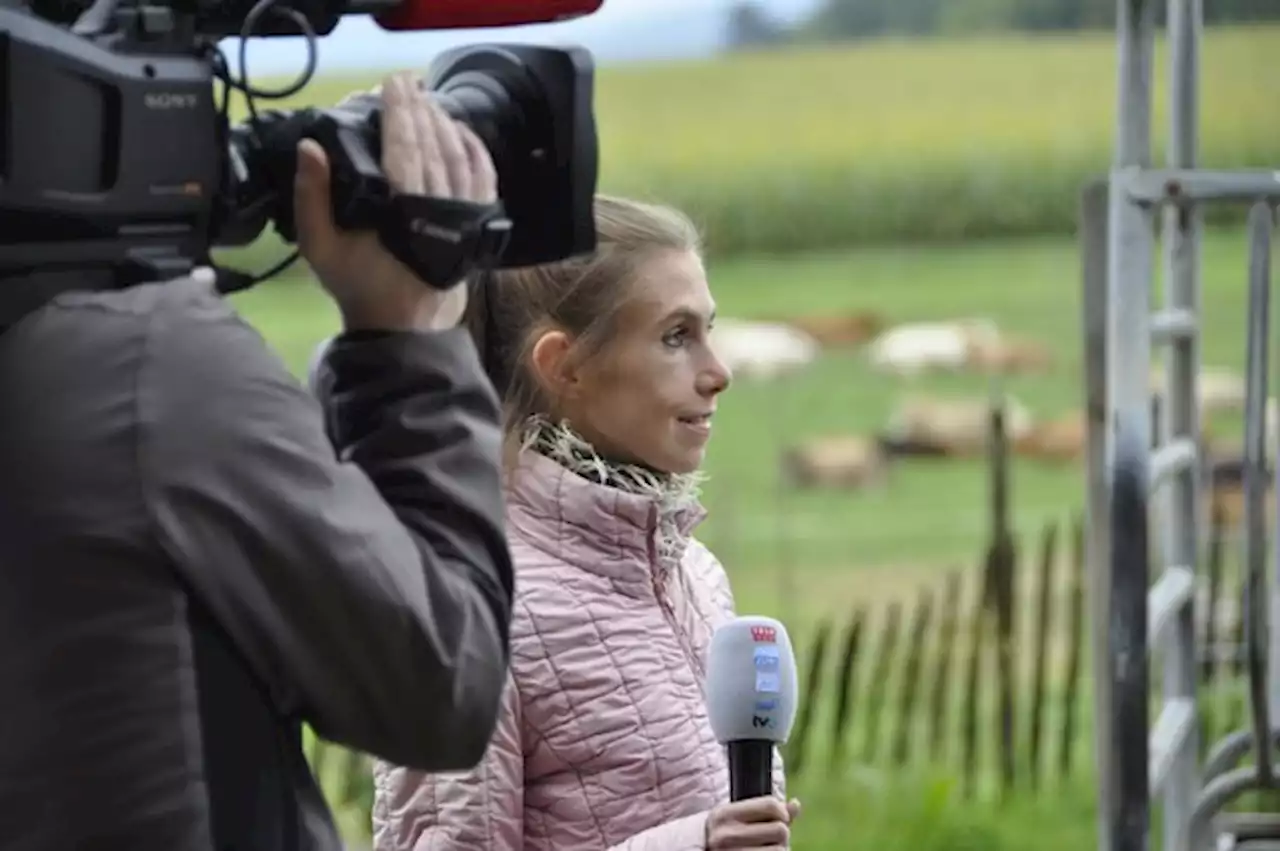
column 191, row 568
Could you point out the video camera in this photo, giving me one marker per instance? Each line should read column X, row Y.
column 118, row 165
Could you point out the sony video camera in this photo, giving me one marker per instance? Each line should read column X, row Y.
column 119, row 163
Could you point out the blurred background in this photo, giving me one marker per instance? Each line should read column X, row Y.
column 889, row 191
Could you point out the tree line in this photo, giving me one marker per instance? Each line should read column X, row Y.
column 750, row 26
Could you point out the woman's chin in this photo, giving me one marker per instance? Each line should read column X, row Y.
column 684, row 462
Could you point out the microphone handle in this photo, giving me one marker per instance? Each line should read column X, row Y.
column 750, row 769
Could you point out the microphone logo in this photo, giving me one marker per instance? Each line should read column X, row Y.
column 767, row 659
column 760, row 634
column 757, row 721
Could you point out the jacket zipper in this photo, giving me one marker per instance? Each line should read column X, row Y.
column 669, row 613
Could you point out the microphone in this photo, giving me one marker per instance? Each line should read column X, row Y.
column 751, row 698
column 454, row 14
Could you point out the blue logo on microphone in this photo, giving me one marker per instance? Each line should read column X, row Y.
column 767, row 705
column 767, row 659
column 768, row 683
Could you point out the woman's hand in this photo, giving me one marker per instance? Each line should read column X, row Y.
column 754, row 823
column 424, row 152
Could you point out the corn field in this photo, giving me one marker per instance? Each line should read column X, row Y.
column 935, row 139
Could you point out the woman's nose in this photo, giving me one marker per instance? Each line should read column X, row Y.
column 716, row 377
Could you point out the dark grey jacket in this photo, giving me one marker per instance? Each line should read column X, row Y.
column 190, row 568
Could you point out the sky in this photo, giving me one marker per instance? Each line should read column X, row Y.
column 620, row 30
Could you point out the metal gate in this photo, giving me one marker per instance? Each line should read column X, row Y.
column 1145, row 502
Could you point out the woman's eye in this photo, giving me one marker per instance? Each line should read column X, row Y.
column 675, row 338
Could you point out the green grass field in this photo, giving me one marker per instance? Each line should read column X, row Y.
column 836, row 549
column 930, row 513
column 915, row 810
column 898, row 141
column 833, row 550
column 860, row 178
column 856, row 136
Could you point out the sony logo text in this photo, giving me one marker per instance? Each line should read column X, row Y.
column 170, row 100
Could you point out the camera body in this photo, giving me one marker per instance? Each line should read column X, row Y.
column 118, row 163
column 111, row 153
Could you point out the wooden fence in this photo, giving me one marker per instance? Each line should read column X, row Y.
column 987, row 672
column 984, row 673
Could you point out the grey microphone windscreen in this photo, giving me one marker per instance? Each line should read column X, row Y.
column 751, row 681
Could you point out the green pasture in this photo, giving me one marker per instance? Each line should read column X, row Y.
column 834, row 549
column 927, row 140
column 827, row 545
column 890, row 177
column 911, row 810
column 850, row 153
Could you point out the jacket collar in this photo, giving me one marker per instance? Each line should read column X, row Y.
column 600, row 515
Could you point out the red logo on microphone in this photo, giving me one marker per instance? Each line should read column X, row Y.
column 764, row 633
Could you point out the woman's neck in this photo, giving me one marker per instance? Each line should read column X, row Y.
column 562, row 444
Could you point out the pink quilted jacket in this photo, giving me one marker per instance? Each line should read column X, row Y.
column 604, row 743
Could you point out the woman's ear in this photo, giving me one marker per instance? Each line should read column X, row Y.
column 551, row 364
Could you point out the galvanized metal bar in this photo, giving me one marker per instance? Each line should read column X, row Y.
column 1167, row 599
column 1173, row 730
column 1249, row 824
column 1181, row 186
column 1255, row 482
column 1181, row 500
column 1172, row 324
column 1127, row 666
column 1229, row 750
column 1262, row 223
column 1093, row 231
column 1173, row 460
column 1216, row 794
column 1130, row 246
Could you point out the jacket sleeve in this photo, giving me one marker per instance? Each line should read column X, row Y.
column 682, row 834
column 715, row 579
column 366, row 580
column 481, row 809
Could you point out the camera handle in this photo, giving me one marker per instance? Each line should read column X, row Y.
column 442, row 240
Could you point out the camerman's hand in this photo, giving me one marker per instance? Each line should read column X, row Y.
column 424, row 152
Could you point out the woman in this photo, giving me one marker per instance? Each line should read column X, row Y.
column 610, row 386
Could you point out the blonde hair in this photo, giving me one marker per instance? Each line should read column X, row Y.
column 510, row 309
